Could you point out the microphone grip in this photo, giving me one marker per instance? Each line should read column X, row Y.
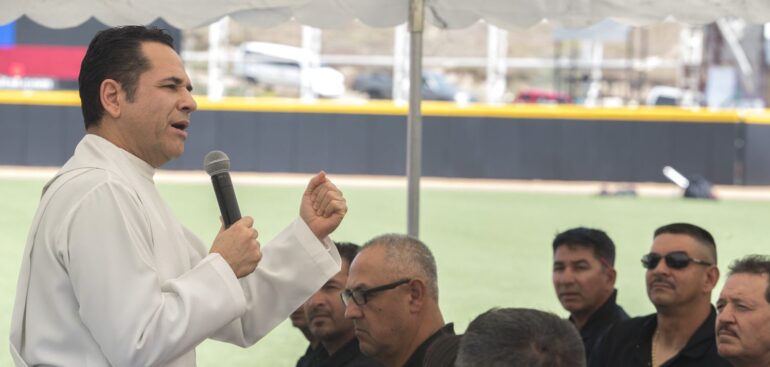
column 228, row 204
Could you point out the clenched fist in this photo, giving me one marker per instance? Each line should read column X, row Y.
column 323, row 206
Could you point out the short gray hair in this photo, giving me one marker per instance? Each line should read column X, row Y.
column 520, row 337
column 408, row 256
column 753, row 264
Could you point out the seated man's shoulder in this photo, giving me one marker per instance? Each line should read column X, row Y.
column 364, row 361
column 632, row 323
column 620, row 314
column 625, row 331
column 443, row 350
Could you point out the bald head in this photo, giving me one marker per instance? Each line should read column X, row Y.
column 406, row 256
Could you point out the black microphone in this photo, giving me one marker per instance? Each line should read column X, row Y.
column 217, row 165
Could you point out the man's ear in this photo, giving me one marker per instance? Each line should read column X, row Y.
column 418, row 292
column 712, row 277
column 611, row 274
column 110, row 95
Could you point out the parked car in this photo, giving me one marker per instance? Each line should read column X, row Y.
column 542, row 97
column 272, row 64
column 435, row 86
column 662, row 95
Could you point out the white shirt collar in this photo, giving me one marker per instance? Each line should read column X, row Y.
column 113, row 151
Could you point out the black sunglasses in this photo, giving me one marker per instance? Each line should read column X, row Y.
column 361, row 296
column 674, row 260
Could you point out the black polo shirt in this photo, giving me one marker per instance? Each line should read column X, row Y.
column 629, row 344
column 418, row 357
column 347, row 356
column 601, row 321
column 304, row 361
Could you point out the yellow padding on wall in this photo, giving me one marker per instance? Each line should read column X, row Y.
column 431, row 108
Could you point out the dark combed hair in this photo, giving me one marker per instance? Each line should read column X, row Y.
column 753, row 264
column 115, row 54
column 594, row 239
column 347, row 250
column 699, row 234
column 520, row 337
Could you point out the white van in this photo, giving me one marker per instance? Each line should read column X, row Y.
column 661, row 95
column 273, row 64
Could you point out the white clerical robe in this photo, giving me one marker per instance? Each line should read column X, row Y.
column 111, row 278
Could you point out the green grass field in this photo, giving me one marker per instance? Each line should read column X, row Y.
column 493, row 248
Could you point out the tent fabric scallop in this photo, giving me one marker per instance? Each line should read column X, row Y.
column 510, row 14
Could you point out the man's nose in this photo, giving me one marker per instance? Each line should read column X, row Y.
column 661, row 267
column 565, row 276
column 188, row 103
column 725, row 315
column 352, row 311
column 314, row 301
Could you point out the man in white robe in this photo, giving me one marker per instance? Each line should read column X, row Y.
column 109, row 276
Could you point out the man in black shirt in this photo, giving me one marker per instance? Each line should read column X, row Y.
column 744, row 313
column 584, row 280
column 299, row 321
column 681, row 273
column 392, row 297
column 325, row 314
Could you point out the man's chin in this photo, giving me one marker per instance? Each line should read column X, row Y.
column 366, row 348
column 319, row 331
column 572, row 306
column 727, row 349
column 659, row 300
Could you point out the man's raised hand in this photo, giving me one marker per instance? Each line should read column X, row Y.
column 323, row 206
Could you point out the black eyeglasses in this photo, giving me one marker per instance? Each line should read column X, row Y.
column 361, row 296
column 674, row 260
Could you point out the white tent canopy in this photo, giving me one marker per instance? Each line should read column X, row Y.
column 446, row 14
column 508, row 14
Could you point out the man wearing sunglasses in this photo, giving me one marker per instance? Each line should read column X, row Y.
column 584, row 280
column 744, row 313
column 325, row 314
column 681, row 273
column 392, row 297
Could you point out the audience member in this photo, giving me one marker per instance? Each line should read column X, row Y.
column 392, row 298
column 299, row 321
column 520, row 337
column 681, row 273
column 743, row 324
column 584, row 280
column 325, row 314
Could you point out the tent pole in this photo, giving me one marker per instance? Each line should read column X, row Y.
column 414, row 121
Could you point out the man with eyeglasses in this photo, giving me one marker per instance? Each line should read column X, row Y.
column 392, row 297
column 325, row 315
column 584, row 279
column 681, row 273
column 744, row 313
